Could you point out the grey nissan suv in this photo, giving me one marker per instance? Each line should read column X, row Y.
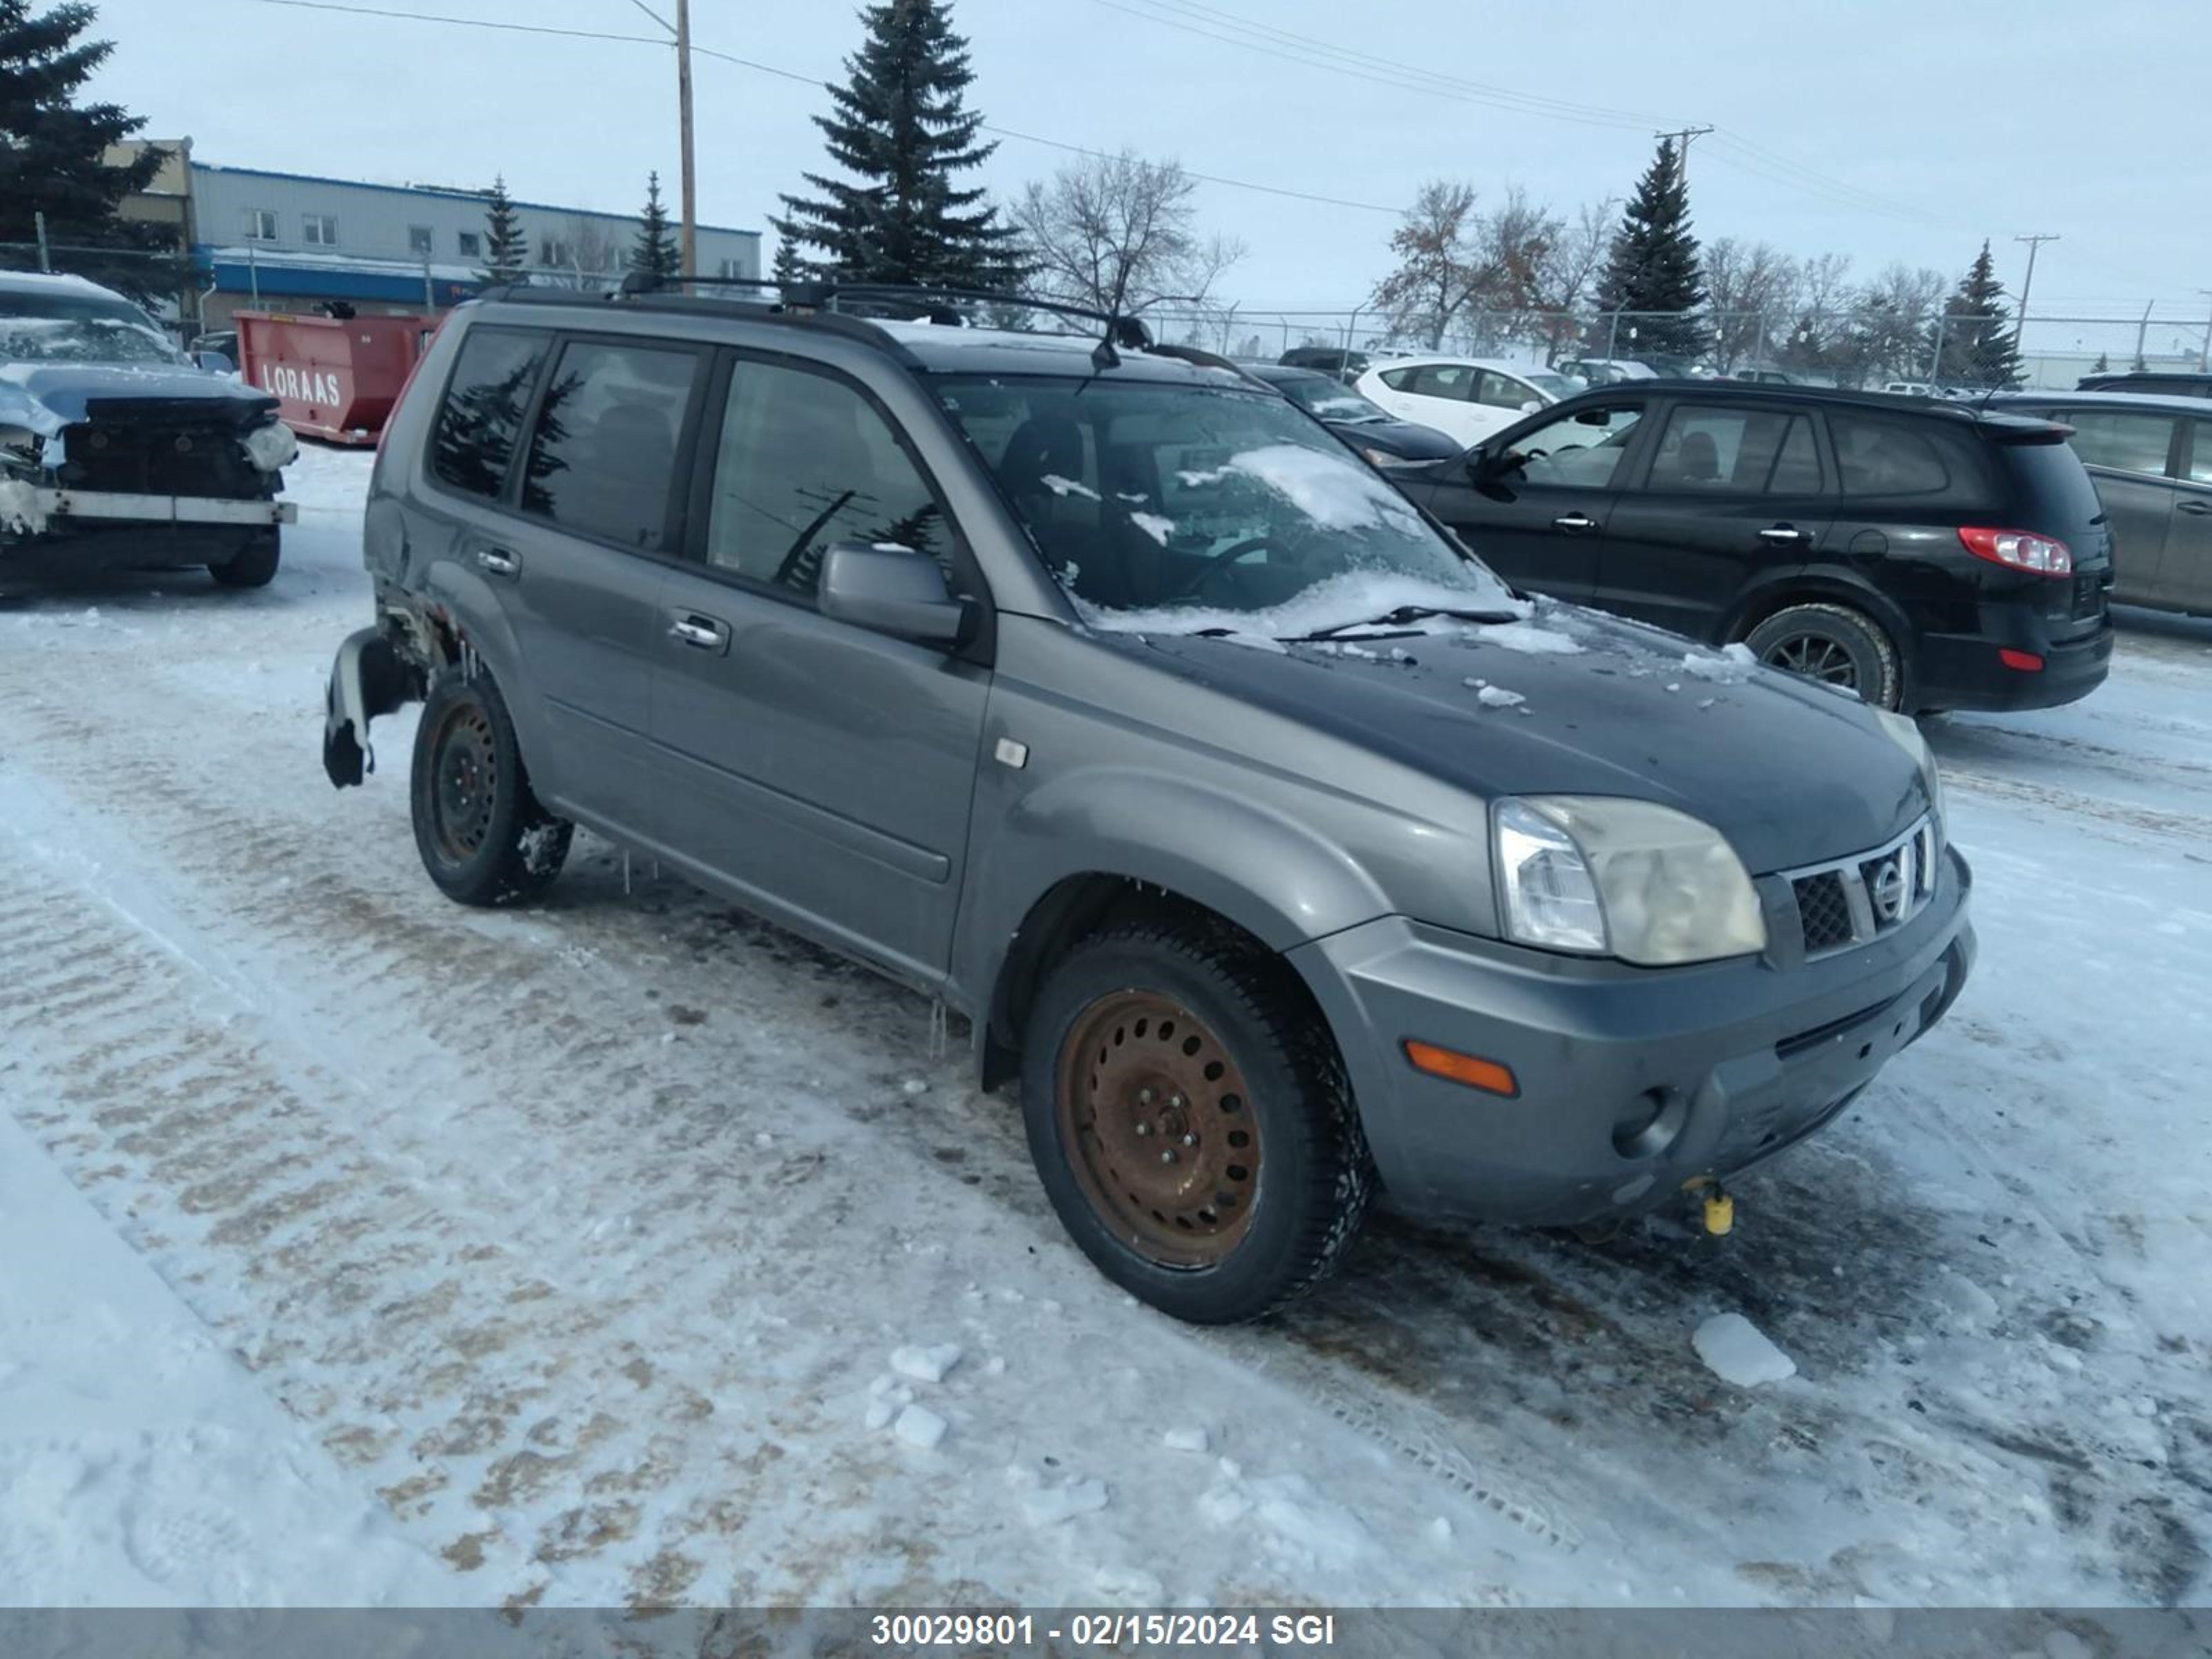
column 1271, row 841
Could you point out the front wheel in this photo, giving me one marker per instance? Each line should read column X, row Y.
column 253, row 565
column 1191, row 1123
column 483, row 835
column 1835, row 645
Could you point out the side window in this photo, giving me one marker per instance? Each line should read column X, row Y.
column 805, row 462
column 1735, row 451
column 603, row 454
column 1581, row 450
column 1886, row 458
column 2124, row 442
column 1398, row 379
column 2200, row 460
column 1503, row 390
column 1453, row 380
column 482, row 415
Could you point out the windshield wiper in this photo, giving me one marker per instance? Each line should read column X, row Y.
column 1408, row 613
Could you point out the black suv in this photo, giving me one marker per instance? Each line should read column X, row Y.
column 1925, row 555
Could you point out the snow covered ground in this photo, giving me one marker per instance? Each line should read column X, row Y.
column 358, row 1249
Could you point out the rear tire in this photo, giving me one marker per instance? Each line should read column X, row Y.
column 252, row 566
column 1249, row 1177
column 1835, row 645
column 483, row 835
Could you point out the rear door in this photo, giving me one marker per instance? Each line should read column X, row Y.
column 2186, row 571
column 1734, row 494
column 2129, row 454
column 822, row 770
column 1537, row 514
column 596, row 506
column 1440, row 395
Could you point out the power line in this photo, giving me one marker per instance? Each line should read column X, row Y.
column 350, row 8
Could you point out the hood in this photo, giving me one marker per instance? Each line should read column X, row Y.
column 1408, row 440
column 46, row 396
column 1573, row 701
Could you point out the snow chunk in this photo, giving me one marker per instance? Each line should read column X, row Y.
column 1351, row 597
column 1184, row 1440
column 925, row 1364
column 915, row 1085
column 1159, row 529
column 1737, row 1352
column 1130, row 1587
column 878, row 1415
column 1527, row 637
column 919, row 1426
column 1971, row 1305
column 20, row 512
column 1732, row 660
column 1496, row 696
column 1065, row 487
column 1049, row 1505
column 1257, row 641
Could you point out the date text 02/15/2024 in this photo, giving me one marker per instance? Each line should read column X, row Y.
column 1105, row 1630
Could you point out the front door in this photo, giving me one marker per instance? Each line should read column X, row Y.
column 1731, row 493
column 821, row 771
column 1537, row 513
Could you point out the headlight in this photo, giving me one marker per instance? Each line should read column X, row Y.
column 1906, row 733
column 1382, row 458
column 1631, row 878
column 272, row 446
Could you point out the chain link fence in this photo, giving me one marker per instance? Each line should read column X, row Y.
column 1917, row 348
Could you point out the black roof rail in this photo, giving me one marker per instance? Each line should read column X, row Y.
column 652, row 295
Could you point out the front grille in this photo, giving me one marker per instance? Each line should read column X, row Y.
column 1824, row 910
column 1856, row 900
column 163, row 459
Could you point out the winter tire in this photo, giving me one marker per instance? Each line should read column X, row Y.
column 483, row 835
column 253, row 565
column 1832, row 644
column 1191, row 1123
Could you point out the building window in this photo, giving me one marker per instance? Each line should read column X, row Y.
column 320, row 229
column 471, row 245
column 419, row 240
column 555, row 251
column 261, row 224
column 732, row 269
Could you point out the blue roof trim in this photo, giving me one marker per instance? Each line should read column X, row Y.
column 436, row 192
column 324, row 283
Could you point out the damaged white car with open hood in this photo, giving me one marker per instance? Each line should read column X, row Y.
column 115, row 451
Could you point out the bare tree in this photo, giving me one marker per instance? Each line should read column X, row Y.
column 1511, row 244
column 1567, row 274
column 1889, row 323
column 1438, row 271
column 1120, row 233
column 584, row 255
column 1752, row 288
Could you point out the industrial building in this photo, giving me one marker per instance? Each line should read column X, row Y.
column 268, row 240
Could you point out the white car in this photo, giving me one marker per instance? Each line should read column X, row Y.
column 1466, row 397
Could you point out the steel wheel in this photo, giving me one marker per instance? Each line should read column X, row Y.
column 464, row 782
column 1816, row 659
column 1153, row 1111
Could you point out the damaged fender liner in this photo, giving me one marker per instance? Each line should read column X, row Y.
column 33, row 509
column 370, row 679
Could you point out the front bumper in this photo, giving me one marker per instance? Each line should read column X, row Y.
column 369, row 678
column 1738, row 1059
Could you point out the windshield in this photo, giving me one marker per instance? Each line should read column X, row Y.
column 1177, row 508
column 70, row 328
column 1328, row 400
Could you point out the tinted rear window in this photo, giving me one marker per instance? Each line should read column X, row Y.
column 603, row 454
column 482, row 415
column 2052, row 493
column 1894, row 457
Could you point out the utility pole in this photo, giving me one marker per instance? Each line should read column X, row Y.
column 45, row 261
column 691, row 189
column 2027, row 283
column 2204, row 351
column 1682, row 145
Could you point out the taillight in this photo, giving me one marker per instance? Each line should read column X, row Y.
column 2019, row 550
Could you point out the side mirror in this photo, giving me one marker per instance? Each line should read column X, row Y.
column 214, row 363
column 1531, row 406
column 893, row 590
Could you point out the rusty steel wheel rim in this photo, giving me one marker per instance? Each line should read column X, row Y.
column 464, row 782
column 1158, row 1129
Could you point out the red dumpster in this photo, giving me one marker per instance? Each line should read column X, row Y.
column 333, row 377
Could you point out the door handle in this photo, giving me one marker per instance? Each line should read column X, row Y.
column 1574, row 523
column 704, row 632
column 499, row 560
column 2197, row 508
column 1782, row 532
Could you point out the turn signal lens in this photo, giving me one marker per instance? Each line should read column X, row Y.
column 1487, row 1075
column 2019, row 550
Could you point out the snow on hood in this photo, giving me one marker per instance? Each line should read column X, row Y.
column 44, row 397
column 1355, row 597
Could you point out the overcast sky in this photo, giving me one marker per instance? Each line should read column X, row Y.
column 1925, row 127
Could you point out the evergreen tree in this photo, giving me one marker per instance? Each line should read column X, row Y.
column 1653, row 267
column 1980, row 347
column 900, row 129
column 2101, row 365
column 789, row 267
column 656, row 252
column 506, row 249
column 53, row 152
